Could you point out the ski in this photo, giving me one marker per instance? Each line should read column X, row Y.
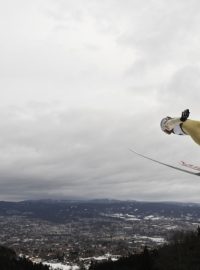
column 165, row 164
column 191, row 166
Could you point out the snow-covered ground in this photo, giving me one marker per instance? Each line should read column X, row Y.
column 129, row 217
column 59, row 266
column 158, row 240
column 54, row 265
column 152, row 217
column 123, row 216
column 103, row 257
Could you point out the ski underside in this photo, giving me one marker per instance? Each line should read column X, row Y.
column 170, row 166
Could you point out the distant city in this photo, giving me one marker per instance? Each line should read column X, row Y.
column 73, row 232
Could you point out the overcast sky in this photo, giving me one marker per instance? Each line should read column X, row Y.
column 81, row 82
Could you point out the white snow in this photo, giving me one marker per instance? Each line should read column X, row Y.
column 123, row 216
column 171, row 227
column 152, row 217
column 157, row 239
column 154, row 239
column 60, row 266
column 103, row 257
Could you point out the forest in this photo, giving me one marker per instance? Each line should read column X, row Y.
column 182, row 252
column 9, row 260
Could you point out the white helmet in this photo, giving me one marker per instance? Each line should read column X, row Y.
column 163, row 125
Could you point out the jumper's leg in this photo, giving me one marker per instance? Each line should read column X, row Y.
column 192, row 128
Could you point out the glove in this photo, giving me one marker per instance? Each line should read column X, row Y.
column 184, row 116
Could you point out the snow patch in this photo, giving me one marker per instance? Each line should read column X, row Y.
column 60, row 266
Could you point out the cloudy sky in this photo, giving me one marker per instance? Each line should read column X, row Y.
column 81, row 82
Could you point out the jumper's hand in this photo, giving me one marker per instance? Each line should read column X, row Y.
column 184, row 116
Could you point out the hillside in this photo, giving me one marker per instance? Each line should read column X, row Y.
column 64, row 210
column 10, row 261
column 182, row 253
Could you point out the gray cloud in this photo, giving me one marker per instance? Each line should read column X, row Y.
column 80, row 153
column 164, row 35
column 183, row 87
